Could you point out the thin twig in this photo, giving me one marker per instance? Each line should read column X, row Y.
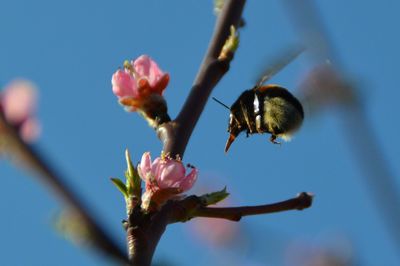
column 192, row 207
column 30, row 157
column 302, row 201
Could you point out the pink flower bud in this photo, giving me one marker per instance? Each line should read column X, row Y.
column 148, row 69
column 139, row 79
column 18, row 100
column 18, row 103
column 123, row 85
column 164, row 178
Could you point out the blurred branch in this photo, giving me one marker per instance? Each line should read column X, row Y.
column 30, row 157
column 175, row 134
column 357, row 128
column 359, row 133
column 305, row 18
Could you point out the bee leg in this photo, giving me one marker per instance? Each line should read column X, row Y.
column 273, row 140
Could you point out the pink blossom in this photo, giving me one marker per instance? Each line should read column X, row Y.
column 164, row 178
column 148, row 69
column 137, row 81
column 18, row 103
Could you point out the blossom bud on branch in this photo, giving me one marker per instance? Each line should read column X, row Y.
column 18, row 104
column 139, row 86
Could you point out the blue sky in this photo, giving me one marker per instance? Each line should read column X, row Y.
column 70, row 50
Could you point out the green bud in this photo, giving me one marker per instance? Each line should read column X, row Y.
column 133, row 183
column 214, row 197
column 231, row 44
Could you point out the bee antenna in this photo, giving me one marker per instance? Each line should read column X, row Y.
column 221, row 103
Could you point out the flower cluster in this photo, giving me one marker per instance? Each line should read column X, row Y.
column 165, row 178
column 18, row 105
column 137, row 82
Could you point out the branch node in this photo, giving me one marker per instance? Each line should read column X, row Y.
column 305, row 199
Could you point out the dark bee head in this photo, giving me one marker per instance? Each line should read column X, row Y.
column 235, row 126
column 234, row 129
column 240, row 118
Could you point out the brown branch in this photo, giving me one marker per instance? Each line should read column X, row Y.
column 145, row 230
column 30, row 157
column 192, row 207
column 302, row 201
column 175, row 135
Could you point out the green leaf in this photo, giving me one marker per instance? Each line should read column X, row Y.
column 214, row 197
column 130, row 168
column 133, row 182
column 121, row 186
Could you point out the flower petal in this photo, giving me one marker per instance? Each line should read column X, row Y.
column 156, row 167
column 155, row 73
column 172, row 173
column 144, row 169
column 145, row 67
column 142, row 65
column 123, row 84
column 188, row 182
column 19, row 101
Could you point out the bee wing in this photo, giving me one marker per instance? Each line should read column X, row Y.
column 279, row 63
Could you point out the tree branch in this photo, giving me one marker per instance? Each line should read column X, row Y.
column 175, row 135
column 302, row 201
column 192, row 207
column 145, row 230
column 33, row 159
column 143, row 237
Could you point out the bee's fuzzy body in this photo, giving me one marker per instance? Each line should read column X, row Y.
column 265, row 109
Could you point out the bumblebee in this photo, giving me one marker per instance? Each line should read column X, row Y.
column 265, row 109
